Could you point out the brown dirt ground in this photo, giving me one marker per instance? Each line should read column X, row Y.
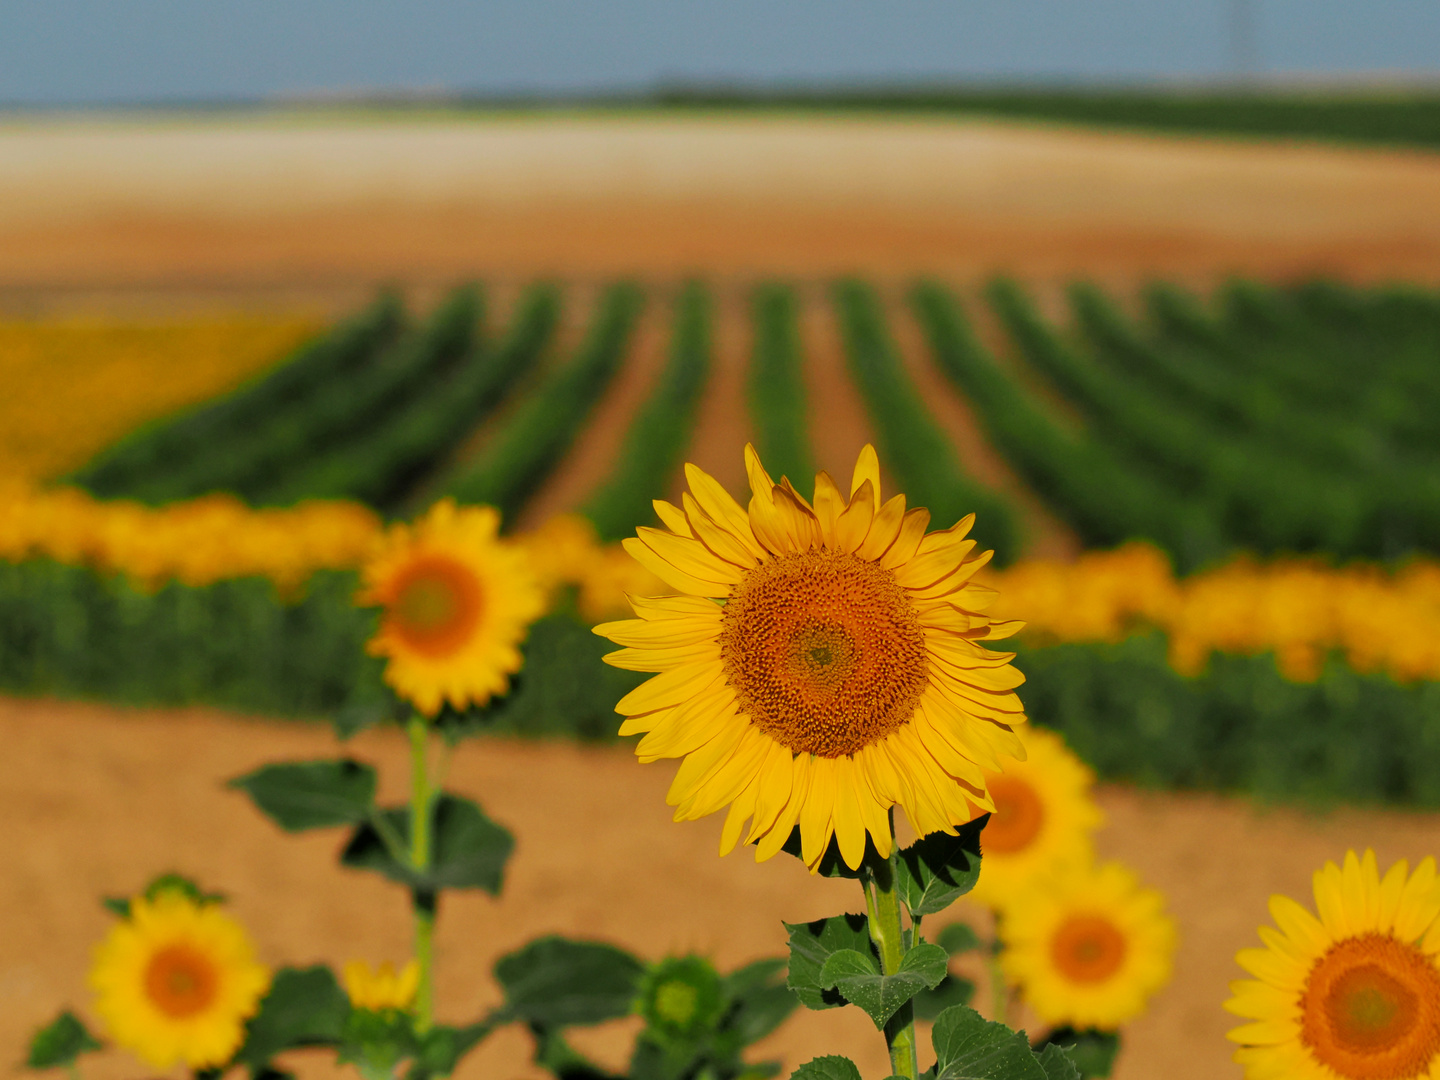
column 96, row 800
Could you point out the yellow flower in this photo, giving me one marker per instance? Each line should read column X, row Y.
column 176, row 982
column 457, row 602
column 1043, row 817
column 840, row 676
column 1353, row 994
column 1088, row 945
column 381, row 988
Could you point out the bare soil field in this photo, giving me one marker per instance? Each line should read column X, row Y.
column 276, row 203
column 97, row 800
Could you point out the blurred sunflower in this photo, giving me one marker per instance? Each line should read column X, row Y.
column 1088, row 946
column 1352, row 994
column 457, row 602
column 378, row 989
column 841, row 675
column 176, row 981
column 1043, row 818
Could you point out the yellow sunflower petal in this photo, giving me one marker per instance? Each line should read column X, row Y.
column 672, row 517
column 867, row 470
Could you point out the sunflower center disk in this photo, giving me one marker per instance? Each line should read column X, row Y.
column 180, row 982
column 824, row 651
column 1371, row 1009
column 436, row 607
column 1087, row 948
column 1018, row 817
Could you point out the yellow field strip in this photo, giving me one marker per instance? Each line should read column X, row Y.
column 74, row 386
column 1380, row 620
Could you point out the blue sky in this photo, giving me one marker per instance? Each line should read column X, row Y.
column 121, row 51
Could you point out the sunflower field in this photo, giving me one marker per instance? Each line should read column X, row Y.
column 348, row 531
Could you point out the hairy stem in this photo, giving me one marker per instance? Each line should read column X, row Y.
column 882, row 906
column 423, row 901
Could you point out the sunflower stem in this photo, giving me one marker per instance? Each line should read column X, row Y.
column 423, row 900
column 999, row 991
column 882, row 908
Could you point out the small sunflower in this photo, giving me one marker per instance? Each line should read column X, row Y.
column 822, row 665
column 1088, row 946
column 457, row 602
column 176, row 981
column 1043, row 817
column 378, row 989
column 1354, row 994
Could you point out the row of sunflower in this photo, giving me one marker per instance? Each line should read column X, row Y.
column 815, row 668
column 1302, row 610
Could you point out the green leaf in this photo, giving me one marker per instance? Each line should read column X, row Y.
column 953, row 990
column 811, row 944
column 311, row 794
column 468, row 851
column 830, row 1067
column 969, row 1047
column 1093, row 1051
column 937, row 870
column 556, row 982
column 116, row 905
column 305, row 1007
column 60, row 1042
column 857, row 976
column 762, row 1000
column 1058, row 1064
column 958, row 938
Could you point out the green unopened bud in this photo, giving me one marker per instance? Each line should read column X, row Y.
column 682, row 998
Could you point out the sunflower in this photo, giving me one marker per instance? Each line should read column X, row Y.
column 457, row 601
column 1088, row 946
column 821, row 665
column 1354, row 994
column 176, row 981
column 378, row 989
column 1043, row 817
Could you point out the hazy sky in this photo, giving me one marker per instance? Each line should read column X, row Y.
column 116, row 51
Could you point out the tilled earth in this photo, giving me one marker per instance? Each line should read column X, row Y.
column 96, row 800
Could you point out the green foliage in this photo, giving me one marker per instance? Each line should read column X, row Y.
column 697, row 1022
column 912, row 445
column 969, row 1047
column 811, row 946
column 857, row 977
column 312, row 794
column 1394, row 117
column 1263, row 497
column 260, row 469
column 1092, row 1051
column 1240, row 726
column 158, row 448
column 69, row 632
column 829, row 1067
column 536, row 437
column 381, row 463
column 60, row 1043
column 178, row 884
column 468, row 850
column 775, row 386
column 1106, row 501
column 938, row 869
column 556, row 982
column 660, row 431
column 304, row 1007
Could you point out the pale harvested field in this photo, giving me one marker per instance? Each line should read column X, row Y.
column 96, row 800
column 322, row 203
